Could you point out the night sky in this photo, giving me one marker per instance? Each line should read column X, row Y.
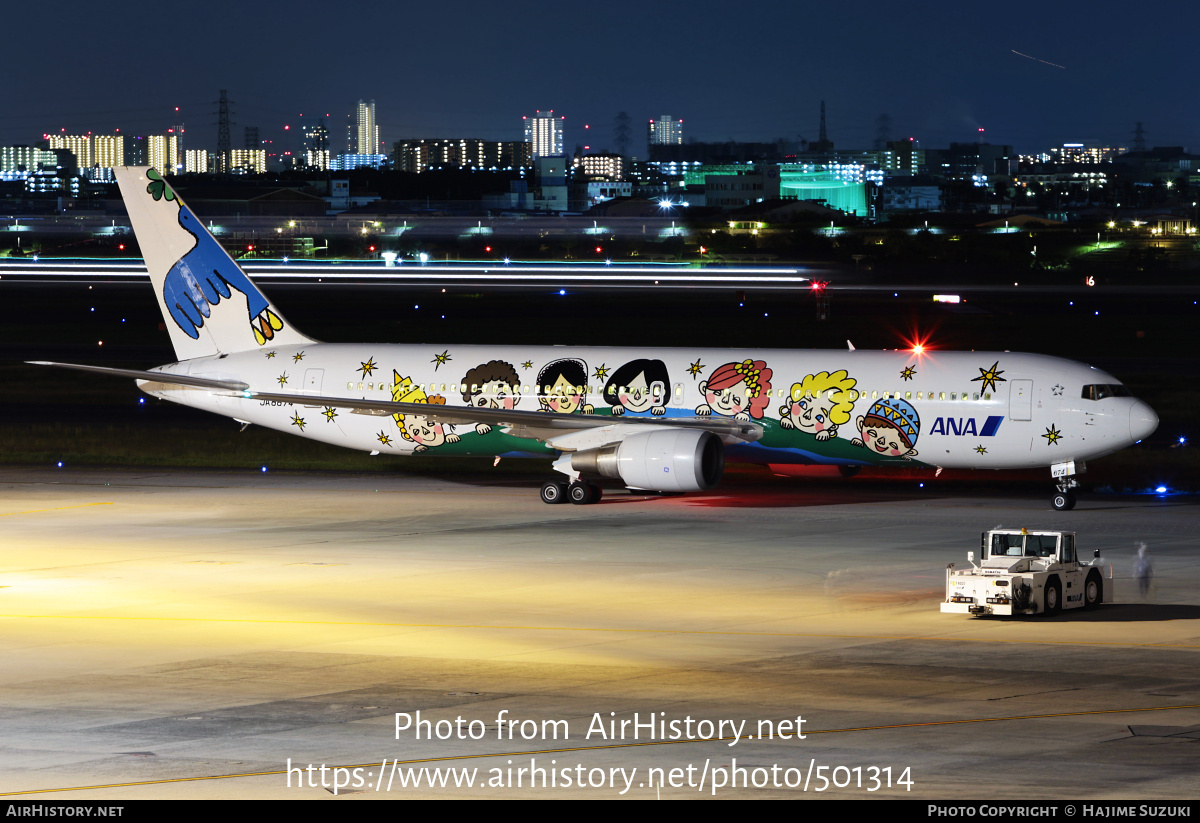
column 468, row 68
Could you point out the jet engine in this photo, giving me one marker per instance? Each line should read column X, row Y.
column 667, row 460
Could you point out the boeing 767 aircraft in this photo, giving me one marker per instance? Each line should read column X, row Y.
column 658, row 419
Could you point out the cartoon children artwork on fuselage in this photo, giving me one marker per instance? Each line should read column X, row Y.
column 737, row 390
column 491, row 385
column 819, row 404
column 562, row 387
column 890, row 428
column 416, row 428
column 638, row 387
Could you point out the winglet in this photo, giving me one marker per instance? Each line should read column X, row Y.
column 851, row 345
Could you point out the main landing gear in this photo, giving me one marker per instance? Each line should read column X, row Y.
column 578, row 492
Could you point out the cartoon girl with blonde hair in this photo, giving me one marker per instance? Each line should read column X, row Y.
column 417, row 428
column 819, row 404
column 737, row 390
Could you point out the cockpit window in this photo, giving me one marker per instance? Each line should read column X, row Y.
column 1099, row 391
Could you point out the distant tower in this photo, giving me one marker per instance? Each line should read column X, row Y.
column 252, row 141
column 1139, row 138
column 223, row 145
column 544, row 132
column 824, row 144
column 883, row 131
column 621, row 129
column 366, row 130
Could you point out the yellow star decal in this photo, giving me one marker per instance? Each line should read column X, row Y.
column 990, row 376
column 981, row 449
column 441, row 359
column 908, row 372
column 528, row 364
column 368, row 367
column 298, row 421
column 329, row 413
column 601, row 372
column 269, row 354
column 297, row 357
column 1052, row 435
column 383, row 438
column 695, row 368
column 282, row 379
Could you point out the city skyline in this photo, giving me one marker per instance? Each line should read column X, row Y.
column 940, row 71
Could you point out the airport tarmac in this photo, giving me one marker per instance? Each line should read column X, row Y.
column 186, row 634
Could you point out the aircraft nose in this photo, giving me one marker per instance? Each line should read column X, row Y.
column 1142, row 421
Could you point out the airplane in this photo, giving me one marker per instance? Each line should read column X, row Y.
column 658, row 420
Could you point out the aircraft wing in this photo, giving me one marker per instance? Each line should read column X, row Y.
column 159, row 376
column 544, row 426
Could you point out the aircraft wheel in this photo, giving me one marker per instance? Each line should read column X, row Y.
column 1063, row 501
column 597, row 492
column 554, row 491
column 1053, row 598
column 582, row 494
column 1093, row 590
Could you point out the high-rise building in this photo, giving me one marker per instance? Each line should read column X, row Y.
column 19, row 162
column 602, row 166
column 195, row 161
column 419, row 156
column 544, row 132
column 79, row 145
column 316, row 146
column 366, row 130
column 108, row 150
column 246, row 161
column 162, row 152
column 665, row 131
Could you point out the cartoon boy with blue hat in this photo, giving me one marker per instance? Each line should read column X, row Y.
column 890, row 428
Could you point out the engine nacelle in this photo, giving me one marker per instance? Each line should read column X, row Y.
column 668, row 460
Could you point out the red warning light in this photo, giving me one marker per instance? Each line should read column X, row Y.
column 819, row 285
column 370, row 248
column 598, row 249
column 488, row 249
column 121, row 247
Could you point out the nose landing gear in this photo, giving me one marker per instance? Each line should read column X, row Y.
column 1065, row 484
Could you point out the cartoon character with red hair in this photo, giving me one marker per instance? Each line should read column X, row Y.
column 738, row 390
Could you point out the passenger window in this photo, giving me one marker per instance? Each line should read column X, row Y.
column 908, row 395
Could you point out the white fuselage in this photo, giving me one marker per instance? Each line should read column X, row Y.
column 985, row 410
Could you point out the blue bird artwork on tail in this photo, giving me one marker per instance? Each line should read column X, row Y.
column 206, row 275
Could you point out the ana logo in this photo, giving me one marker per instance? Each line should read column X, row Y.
column 960, row 426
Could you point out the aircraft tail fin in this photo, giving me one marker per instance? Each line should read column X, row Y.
column 209, row 304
